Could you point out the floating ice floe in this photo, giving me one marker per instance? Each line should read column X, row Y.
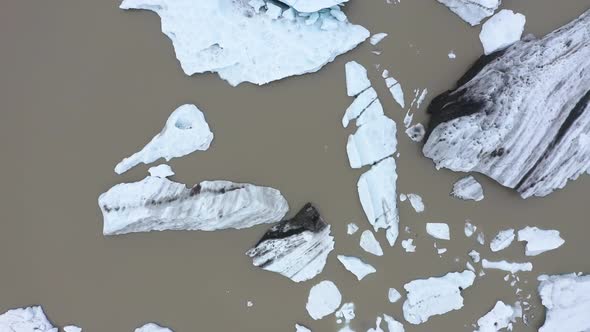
column 481, row 238
column 370, row 244
column 356, row 266
column 29, row 319
column 373, row 141
column 408, row 118
column 377, row 38
column 345, row 314
column 507, row 266
column 475, row 256
column 469, row 229
column 156, row 204
column 161, row 171
column 416, row 202
column 392, row 324
column 72, row 328
column 186, row 131
column 408, row 245
column 296, row 248
column 567, row 299
column 351, row 228
column 521, row 116
column 395, row 88
column 419, row 97
column 324, row 298
column 452, row 55
column 502, row 30
column 539, row 240
column 502, row 316
column 393, row 295
column 468, row 188
column 301, row 328
column 152, row 327
column 225, row 37
column 435, row 295
column 438, row 230
column 377, row 193
column 441, row 251
column 356, row 78
column 472, row 11
column 416, row 132
column 502, row 240
column 364, row 108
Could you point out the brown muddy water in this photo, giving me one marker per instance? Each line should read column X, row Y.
column 84, row 84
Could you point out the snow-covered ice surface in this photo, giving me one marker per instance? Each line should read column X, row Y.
column 296, row 248
column 357, row 80
column 502, row 30
column 309, row 6
column 370, row 244
column 152, row 327
column 301, row 328
column 186, row 131
column 511, row 267
column 377, row 38
column 435, row 295
column 472, row 11
column 377, row 193
column 500, row 317
column 438, row 230
column 356, row 266
column 351, row 228
column 156, row 204
column 161, row 171
column 539, row 240
column 29, row 319
column 72, row 328
column 393, row 295
column 567, row 299
column 467, row 188
column 373, row 141
column 324, row 299
column 502, row 240
column 225, row 37
column 416, row 132
column 416, row 202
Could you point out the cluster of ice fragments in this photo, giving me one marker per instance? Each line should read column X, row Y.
column 254, row 41
column 373, row 144
column 520, row 116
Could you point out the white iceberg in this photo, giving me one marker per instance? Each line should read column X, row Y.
column 324, row 298
column 539, row 240
column 30, row 319
column 472, row 11
column 507, row 266
column 438, row 230
column 372, row 142
column 243, row 45
column 500, row 317
column 567, row 299
column 416, row 202
column 186, row 131
column 502, row 240
column 161, row 171
column 467, row 188
column 393, row 295
column 502, row 30
column 377, row 38
column 370, row 244
column 356, row 266
column 356, row 78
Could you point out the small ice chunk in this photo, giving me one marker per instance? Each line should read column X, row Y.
column 392, row 324
column 185, row 131
column 416, row 132
column 72, row 328
column 301, row 328
column 338, row 14
column 469, row 267
column 539, row 240
column 395, row 88
column 481, row 238
column 377, row 193
column 408, row 245
column 502, row 240
column 475, row 257
column 373, row 141
column 421, row 98
column 468, row 188
column 29, row 319
column 416, row 202
column 351, row 228
column 359, row 268
column 152, row 327
column 506, row 266
column 393, row 295
column 441, row 251
column 161, row 171
column 356, row 78
column 469, row 229
column 377, row 325
column 438, row 230
column 249, row 304
column 312, row 18
column 370, row 244
column 452, row 55
column 502, row 30
column 403, row 197
column 435, row 295
column 346, row 313
column 324, row 298
column 500, row 317
column 377, row 38
column 273, row 11
column 567, row 299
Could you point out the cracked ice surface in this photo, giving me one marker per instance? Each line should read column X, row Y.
column 243, row 45
column 186, row 131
